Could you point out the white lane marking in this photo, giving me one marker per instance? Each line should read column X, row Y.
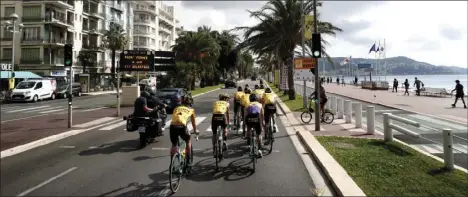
column 46, row 112
column 206, row 92
column 67, row 146
column 92, row 147
column 209, row 129
column 113, row 126
column 460, row 148
column 28, row 109
column 24, row 118
column 430, row 148
column 93, row 109
column 46, row 182
column 95, row 122
column 44, row 141
column 439, row 122
column 37, row 110
column 198, row 120
column 455, row 118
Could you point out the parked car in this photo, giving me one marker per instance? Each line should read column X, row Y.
column 172, row 96
column 34, row 90
column 62, row 91
column 230, row 83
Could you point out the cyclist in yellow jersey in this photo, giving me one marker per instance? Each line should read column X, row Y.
column 268, row 102
column 245, row 102
column 179, row 126
column 220, row 118
column 237, row 101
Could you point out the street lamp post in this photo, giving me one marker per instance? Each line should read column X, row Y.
column 12, row 24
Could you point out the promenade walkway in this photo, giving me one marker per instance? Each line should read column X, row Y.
column 435, row 106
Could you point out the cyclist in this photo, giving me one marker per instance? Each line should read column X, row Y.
column 237, row 102
column 244, row 102
column 268, row 102
column 254, row 118
column 262, row 87
column 179, row 126
column 220, row 118
column 323, row 98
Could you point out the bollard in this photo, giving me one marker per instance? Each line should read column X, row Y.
column 370, row 120
column 448, row 151
column 340, row 108
column 333, row 105
column 388, row 136
column 358, row 114
column 329, row 103
column 347, row 111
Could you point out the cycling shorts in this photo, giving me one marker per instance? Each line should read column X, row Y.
column 253, row 120
column 218, row 120
column 270, row 110
column 237, row 104
column 178, row 130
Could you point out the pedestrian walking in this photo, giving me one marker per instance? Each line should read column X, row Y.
column 459, row 93
column 342, row 81
column 395, row 85
column 338, row 81
column 406, row 84
column 417, row 83
column 355, row 80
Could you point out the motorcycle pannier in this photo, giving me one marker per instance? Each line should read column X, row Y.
column 131, row 126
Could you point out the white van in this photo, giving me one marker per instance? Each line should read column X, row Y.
column 34, row 90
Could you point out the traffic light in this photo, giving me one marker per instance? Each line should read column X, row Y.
column 68, row 55
column 316, row 46
column 13, row 75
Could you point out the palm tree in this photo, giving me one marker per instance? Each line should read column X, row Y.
column 279, row 31
column 115, row 39
column 86, row 59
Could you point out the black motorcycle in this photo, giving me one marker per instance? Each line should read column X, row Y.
column 148, row 127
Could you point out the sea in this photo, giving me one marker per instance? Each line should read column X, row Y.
column 433, row 81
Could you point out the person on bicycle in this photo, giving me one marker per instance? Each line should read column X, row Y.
column 237, row 102
column 244, row 102
column 268, row 102
column 220, row 118
column 323, row 97
column 178, row 126
column 254, row 119
column 258, row 91
column 262, row 87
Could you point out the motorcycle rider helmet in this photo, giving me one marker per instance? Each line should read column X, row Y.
column 253, row 98
column 267, row 90
column 223, row 96
column 239, row 88
column 145, row 94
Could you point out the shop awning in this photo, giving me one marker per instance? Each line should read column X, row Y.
column 18, row 74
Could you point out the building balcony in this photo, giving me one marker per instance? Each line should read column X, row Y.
column 57, row 42
column 32, row 19
column 65, row 4
column 142, row 33
column 56, row 61
column 32, row 41
column 59, row 22
column 92, row 48
column 6, row 39
column 144, row 21
column 167, row 21
column 96, row 15
column 150, row 10
column 116, row 6
column 96, row 31
column 164, row 30
column 31, row 61
column 116, row 20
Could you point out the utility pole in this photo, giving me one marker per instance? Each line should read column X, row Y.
column 304, row 97
column 317, row 82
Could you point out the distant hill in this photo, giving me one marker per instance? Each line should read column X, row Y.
column 397, row 66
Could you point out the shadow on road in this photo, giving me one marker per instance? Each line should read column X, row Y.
column 121, row 146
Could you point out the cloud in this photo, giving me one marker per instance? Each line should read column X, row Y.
column 451, row 32
column 351, row 32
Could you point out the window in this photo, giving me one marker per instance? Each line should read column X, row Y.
column 31, row 33
column 79, row 37
column 7, row 53
column 7, row 35
column 30, row 53
column 31, row 12
column 8, row 11
column 81, row 18
column 76, row 36
column 76, row 18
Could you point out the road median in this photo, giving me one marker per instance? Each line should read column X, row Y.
column 374, row 167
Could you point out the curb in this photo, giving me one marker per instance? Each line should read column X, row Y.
column 342, row 183
column 393, row 107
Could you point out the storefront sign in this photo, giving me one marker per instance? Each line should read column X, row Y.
column 6, row 67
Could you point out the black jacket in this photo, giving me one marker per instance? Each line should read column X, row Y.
column 153, row 102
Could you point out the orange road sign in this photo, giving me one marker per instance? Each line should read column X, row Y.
column 304, row 63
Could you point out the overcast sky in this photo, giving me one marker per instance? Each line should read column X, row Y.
column 427, row 31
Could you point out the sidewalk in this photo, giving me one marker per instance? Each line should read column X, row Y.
column 102, row 92
column 434, row 106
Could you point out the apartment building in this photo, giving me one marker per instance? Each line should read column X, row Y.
column 154, row 26
column 49, row 25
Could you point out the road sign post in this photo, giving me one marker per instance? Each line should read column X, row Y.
column 68, row 57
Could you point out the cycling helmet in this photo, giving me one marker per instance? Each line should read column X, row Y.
column 261, row 82
column 262, row 86
column 246, row 85
column 223, row 96
column 145, row 94
column 247, row 91
column 267, row 90
column 253, row 98
column 239, row 88
column 186, row 100
column 256, row 86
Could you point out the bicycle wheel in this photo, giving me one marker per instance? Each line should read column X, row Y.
column 253, row 143
column 270, row 136
column 306, row 117
column 175, row 171
column 189, row 169
column 328, row 117
column 216, row 148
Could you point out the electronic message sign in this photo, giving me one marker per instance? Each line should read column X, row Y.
column 131, row 60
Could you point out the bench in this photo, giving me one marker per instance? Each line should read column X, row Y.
column 435, row 92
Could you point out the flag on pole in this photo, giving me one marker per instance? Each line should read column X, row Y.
column 372, row 48
column 345, row 61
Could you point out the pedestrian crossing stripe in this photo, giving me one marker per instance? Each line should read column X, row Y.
column 26, row 109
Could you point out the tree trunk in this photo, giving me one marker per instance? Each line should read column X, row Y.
column 291, row 93
column 113, row 67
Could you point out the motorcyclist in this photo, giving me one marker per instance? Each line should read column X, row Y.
column 142, row 109
column 154, row 102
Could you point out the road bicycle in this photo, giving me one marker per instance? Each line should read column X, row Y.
column 270, row 136
column 253, row 148
column 327, row 114
column 219, row 146
column 183, row 168
column 237, row 122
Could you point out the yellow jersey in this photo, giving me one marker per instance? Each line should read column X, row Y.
column 268, row 98
column 181, row 114
column 258, row 92
column 238, row 96
column 220, row 107
column 245, row 99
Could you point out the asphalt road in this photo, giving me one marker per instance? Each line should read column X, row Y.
column 14, row 111
column 105, row 161
column 431, row 129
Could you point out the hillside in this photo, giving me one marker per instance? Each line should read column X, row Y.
column 398, row 66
